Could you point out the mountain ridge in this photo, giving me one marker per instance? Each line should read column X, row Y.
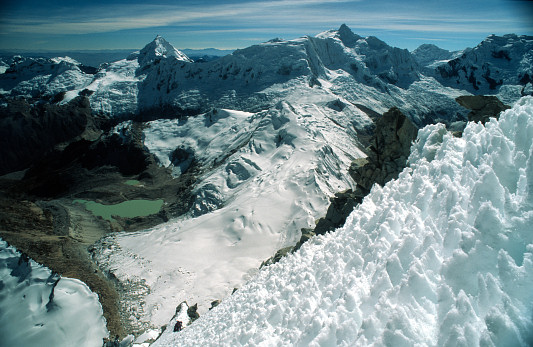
column 244, row 79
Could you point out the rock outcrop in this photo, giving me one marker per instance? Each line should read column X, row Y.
column 387, row 155
column 482, row 107
column 28, row 131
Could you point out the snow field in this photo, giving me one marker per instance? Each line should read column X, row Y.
column 442, row 256
column 29, row 318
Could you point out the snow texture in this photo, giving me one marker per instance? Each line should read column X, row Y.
column 442, row 256
column 40, row 308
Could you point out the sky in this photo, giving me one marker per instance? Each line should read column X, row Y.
column 38, row 25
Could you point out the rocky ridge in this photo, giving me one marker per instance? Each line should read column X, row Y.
column 482, row 107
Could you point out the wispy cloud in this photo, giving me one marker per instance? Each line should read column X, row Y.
column 99, row 20
column 263, row 19
column 115, row 18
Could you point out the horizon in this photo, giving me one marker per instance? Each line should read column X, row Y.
column 33, row 26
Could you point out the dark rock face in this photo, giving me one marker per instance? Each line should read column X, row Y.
column 387, row 155
column 214, row 304
column 182, row 157
column 482, row 107
column 342, row 204
column 27, row 131
column 61, row 171
column 277, row 257
column 389, row 149
column 192, row 312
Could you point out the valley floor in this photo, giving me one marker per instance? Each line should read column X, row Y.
column 59, row 233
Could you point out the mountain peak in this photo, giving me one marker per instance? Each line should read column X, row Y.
column 160, row 48
column 347, row 36
column 427, row 54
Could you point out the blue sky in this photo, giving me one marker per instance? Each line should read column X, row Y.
column 117, row 24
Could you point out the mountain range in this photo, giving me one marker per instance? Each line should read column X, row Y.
column 360, row 71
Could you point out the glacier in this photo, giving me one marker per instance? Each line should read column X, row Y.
column 270, row 174
column 441, row 256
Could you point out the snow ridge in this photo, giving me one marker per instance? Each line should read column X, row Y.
column 441, row 256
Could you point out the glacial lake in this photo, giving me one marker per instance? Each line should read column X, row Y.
column 126, row 209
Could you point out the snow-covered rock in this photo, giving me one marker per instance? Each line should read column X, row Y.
column 40, row 308
column 441, row 256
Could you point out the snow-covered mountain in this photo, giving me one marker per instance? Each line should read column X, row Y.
column 363, row 71
column 44, row 77
column 337, row 63
column 429, row 55
column 156, row 50
column 499, row 64
column 442, row 256
column 159, row 78
column 270, row 132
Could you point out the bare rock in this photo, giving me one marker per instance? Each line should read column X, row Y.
column 482, row 107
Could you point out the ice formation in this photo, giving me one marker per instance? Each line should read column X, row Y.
column 40, row 308
column 442, row 256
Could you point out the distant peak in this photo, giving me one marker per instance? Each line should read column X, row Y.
column 347, row 36
column 344, row 27
column 158, row 49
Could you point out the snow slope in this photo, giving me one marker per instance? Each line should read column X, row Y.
column 40, row 308
column 442, row 256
